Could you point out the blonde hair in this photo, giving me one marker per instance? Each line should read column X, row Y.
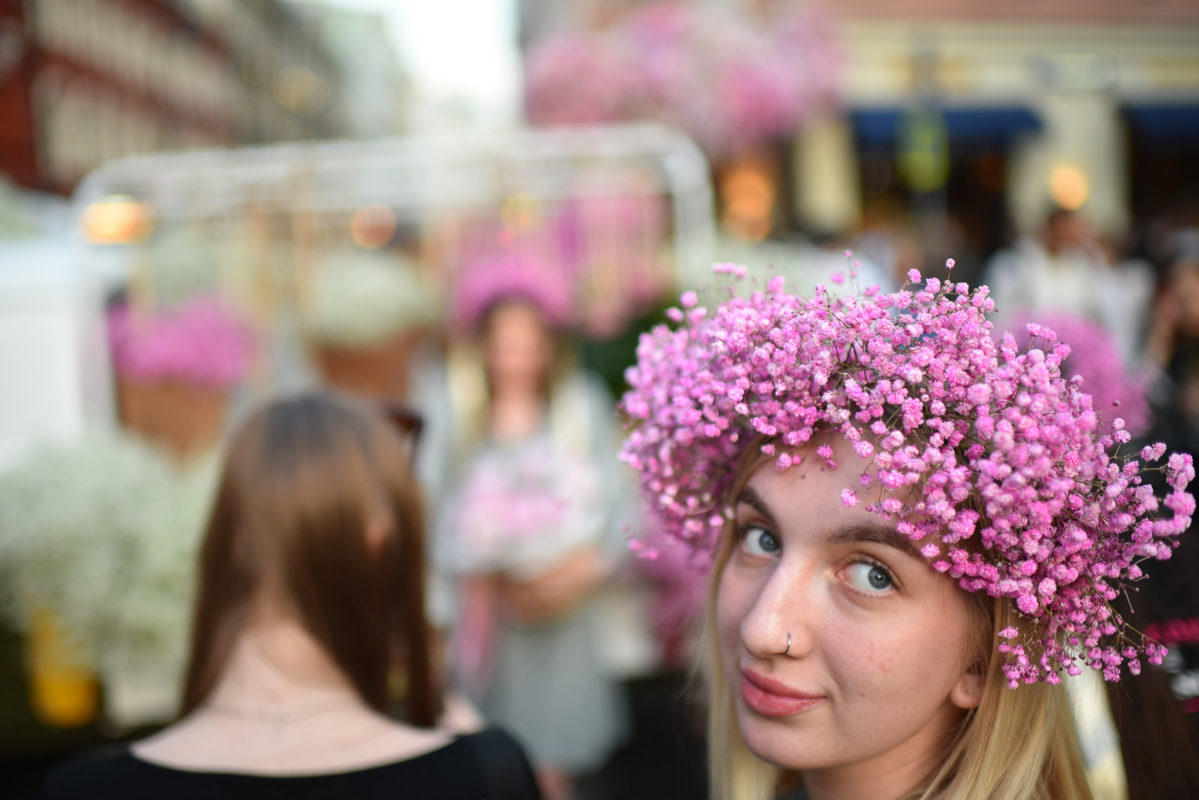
column 1016, row 745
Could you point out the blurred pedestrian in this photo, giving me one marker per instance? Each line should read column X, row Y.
column 1066, row 269
column 309, row 614
column 534, row 524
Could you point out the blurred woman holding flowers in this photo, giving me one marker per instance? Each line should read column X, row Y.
column 533, row 521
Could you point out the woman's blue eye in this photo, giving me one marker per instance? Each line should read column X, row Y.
column 760, row 541
column 869, row 577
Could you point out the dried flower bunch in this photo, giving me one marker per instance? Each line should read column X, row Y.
column 980, row 451
column 102, row 533
column 365, row 298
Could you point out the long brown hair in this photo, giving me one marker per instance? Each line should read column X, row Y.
column 303, row 481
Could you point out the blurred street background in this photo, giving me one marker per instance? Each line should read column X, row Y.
column 205, row 202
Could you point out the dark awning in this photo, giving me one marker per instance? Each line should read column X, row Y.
column 1164, row 122
column 968, row 126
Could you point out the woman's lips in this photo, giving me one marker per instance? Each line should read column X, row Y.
column 770, row 698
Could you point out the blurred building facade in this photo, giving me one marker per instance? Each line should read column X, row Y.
column 376, row 93
column 1065, row 102
column 988, row 112
column 86, row 81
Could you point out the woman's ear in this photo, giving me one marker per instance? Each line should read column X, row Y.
column 968, row 691
column 376, row 534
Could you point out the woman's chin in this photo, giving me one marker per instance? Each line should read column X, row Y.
column 778, row 742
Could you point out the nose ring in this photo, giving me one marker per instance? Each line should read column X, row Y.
column 788, row 650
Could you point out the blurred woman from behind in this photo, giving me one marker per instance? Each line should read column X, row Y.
column 309, row 613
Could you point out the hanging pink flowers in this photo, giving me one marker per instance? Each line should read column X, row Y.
column 199, row 341
column 730, row 81
column 576, row 79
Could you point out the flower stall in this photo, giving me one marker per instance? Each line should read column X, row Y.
column 220, row 276
column 336, row 252
column 175, row 368
column 97, row 545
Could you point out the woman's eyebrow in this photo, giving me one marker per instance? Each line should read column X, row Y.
column 750, row 498
column 864, row 531
column 878, row 533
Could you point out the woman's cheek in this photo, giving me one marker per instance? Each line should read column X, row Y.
column 734, row 600
column 725, row 611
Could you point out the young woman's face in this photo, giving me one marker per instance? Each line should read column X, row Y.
column 517, row 345
column 877, row 670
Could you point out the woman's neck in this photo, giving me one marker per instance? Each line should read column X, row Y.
column 883, row 777
column 282, row 707
column 277, row 665
column 516, row 413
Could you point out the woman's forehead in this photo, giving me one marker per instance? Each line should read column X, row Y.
column 828, row 500
column 810, row 491
column 824, row 462
column 830, row 525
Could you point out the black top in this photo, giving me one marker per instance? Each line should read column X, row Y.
column 489, row 764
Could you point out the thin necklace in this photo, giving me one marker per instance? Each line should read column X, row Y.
column 281, row 719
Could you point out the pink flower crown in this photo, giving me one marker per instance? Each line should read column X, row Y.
column 512, row 274
column 1095, row 356
column 1022, row 493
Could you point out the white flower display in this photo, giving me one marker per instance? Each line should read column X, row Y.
column 102, row 533
column 184, row 261
column 358, row 298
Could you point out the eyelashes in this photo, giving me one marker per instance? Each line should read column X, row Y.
column 862, row 574
column 869, row 577
column 759, row 541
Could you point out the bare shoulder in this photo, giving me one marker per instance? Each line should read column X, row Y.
column 460, row 716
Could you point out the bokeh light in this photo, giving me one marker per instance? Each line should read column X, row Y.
column 372, row 226
column 117, row 219
column 1068, row 186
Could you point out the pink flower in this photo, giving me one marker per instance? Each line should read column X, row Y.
column 1117, row 395
column 730, row 83
column 494, row 275
column 200, row 341
column 978, row 394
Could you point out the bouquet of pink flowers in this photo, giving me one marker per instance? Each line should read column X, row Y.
column 521, row 508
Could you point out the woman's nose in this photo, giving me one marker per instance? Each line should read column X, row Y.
column 778, row 623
